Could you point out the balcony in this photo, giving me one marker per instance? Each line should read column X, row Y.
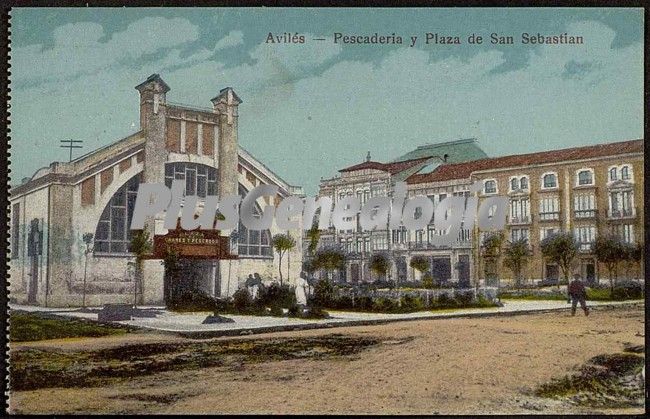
column 585, row 247
column 585, row 213
column 623, row 213
column 520, row 220
column 549, row 216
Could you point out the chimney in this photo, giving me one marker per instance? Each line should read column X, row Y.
column 368, row 156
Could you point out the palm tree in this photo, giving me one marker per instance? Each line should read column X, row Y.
column 608, row 251
column 328, row 259
column 516, row 256
column 379, row 264
column 419, row 263
column 560, row 248
column 282, row 243
column 491, row 250
column 140, row 247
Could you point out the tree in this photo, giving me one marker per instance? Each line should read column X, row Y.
column 328, row 259
column 379, row 264
column 140, row 247
column 560, row 248
column 171, row 263
column 491, row 250
column 419, row 263
column 313, row 235
column 88, row 241
column 635, row 255
column 609, row 251
column 515, row 257
column 282, row 243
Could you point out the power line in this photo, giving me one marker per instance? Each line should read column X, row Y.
column 71, row 144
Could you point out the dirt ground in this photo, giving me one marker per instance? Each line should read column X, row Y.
column 444, row 366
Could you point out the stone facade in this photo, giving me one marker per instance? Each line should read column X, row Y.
column 52, row 211
column 588, row 191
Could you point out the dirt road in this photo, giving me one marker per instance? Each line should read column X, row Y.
column 446, row 366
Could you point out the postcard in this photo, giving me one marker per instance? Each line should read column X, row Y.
column 380, row 211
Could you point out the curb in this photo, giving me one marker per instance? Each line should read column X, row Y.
column 207, row 334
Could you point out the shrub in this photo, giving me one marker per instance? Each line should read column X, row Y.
column 384, row 305
column 627, row 291
column 464, row 299
column 410, row 304
column 343, row 302
column 444, row 300
column 323, row 294
column 277, row 295
column 427, row 281
column 192, row 300
column 242, row 300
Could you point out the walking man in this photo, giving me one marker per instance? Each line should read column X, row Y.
column 577, row 294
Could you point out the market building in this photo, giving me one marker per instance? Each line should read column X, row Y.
column 55, row 261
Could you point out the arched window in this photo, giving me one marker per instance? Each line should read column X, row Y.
column 255, row 243
column 200, row 180
column 490, row 186
column 585, row 177
column 523, row 182
column 549, row 180
column 625, row 173
column 514, row 184
column 113, row 233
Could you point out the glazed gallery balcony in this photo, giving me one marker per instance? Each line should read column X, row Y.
column 621, row 213
column 520, row 219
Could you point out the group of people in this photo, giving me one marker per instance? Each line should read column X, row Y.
column 254, row 283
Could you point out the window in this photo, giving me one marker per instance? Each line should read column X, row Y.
column 490, row 186
column 613, row 174
column 625, row 173
column 584, row 205
column 518, row 183
column 523, row 182
column 621, row 204
column 15, row 230
column 585, row 236
column 549, row 208
column 113, row 233
column 624, row 232
column 547, row 232
column 255, row 243
column 517, row 234
column 200, row 180
column 549, row 180
column 379, row 243
column 585, row 177
column 519, row 210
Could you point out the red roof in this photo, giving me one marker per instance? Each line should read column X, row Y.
column 391, row 168
column 464, row 170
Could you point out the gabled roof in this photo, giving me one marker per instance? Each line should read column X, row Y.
column 392, row 168
column 457, row 151
column 464, row 170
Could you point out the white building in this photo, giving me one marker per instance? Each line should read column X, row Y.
column 53, row 210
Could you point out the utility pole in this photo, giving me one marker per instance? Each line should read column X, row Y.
column 70, row 144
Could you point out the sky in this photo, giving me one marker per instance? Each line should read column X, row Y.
column 311, row 109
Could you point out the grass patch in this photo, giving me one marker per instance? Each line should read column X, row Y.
column 38, row 368
column 26, row 327
column 611, row 381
